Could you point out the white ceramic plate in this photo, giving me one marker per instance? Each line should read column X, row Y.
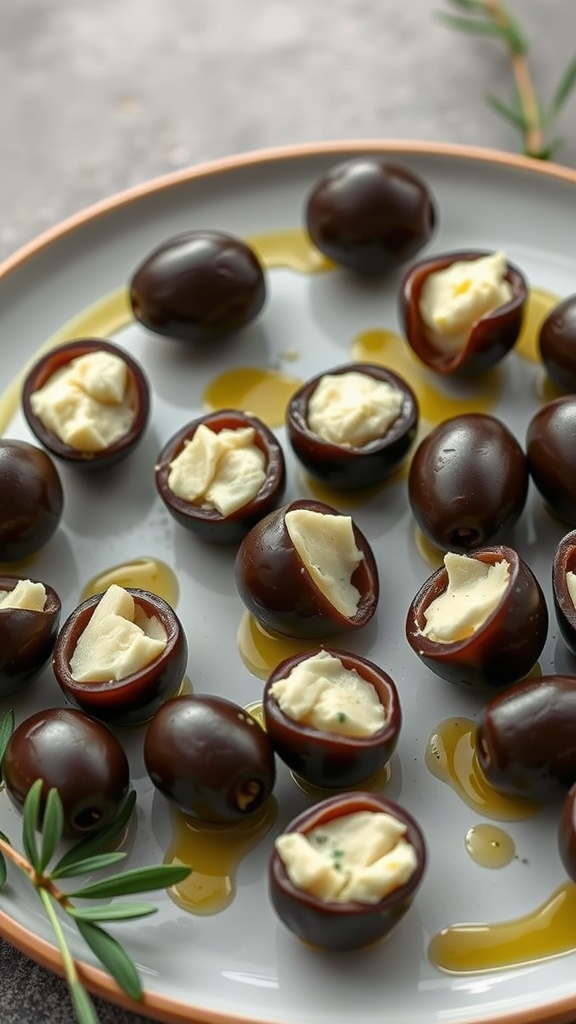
column 241, row 964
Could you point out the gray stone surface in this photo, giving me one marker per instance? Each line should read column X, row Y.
column 100, row 96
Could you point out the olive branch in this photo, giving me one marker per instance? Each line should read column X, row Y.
column 526, row 112
column 88, row 855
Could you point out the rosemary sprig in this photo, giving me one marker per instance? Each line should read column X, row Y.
column 90, row 854
column 492, row 19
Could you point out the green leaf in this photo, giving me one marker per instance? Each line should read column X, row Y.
column 113, row 957
column 510, row 34
column 89, row 864
column 31, row 813
column 135, row 881
column 99, row 842
column 83, row 1005
column 111, row 912
column 470, row 5
column 6, row 730
column 514, row 116
column 52, row 828
column 565, row 87
column 3, row 870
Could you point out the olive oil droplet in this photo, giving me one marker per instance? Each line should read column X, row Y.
column 539, row 303
column 213, row 852
column 261, row 651
column 450, row 757
column 547, row 931
column 489, row 846
column 144, row 573
column 291, row 248
column 264, row 393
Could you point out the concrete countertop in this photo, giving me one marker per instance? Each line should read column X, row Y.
column 98, row 97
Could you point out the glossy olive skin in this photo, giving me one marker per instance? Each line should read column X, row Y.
column 468, row 483
column 330, row 760
column 276, row 588
column 492, row 336
column 504, row 648
column 138, row 390
column 210, row 758
column 347, row 467
column 31, row 499
column 208, row 523
column 332, row 925
column 567, row 834
column 526, row 738
column 198, row 287
column 370, row 215
column 135, row 698
column 551, row 454
column 81, row 758
column 27, row 638
column 564, row 561
column 557, row 344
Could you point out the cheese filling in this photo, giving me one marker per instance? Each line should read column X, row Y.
column 353, row 408
column 474, row 591
column 87, row 403
column 361, row 856
column 326, row 546
column 320, row 692
column 119, row 639
column 453, row 299
column 222, row 470
column 571, row 584
column 26, row 595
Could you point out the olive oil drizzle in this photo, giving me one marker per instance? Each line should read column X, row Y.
column 213, row 852
column 145, row 573
column 450, row 757
column 547, row 931
column 261, row 650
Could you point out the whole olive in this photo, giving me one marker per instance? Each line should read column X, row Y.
column 557, row 344
column 31, row 499
column 81, row 758
column 210, row 758
column 27, row 637
column 567, row 833
column 551, row 454
column 370, row 215
column 526, row 738
column 490, row 337
column 198, row 286
column 290, row 594
column 468, row 483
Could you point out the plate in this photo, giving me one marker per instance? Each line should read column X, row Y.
column 241, row 964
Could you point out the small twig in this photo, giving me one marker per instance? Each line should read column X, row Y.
column 492, row 19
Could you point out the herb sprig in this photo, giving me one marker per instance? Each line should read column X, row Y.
column 39, row 863
column 526, row 112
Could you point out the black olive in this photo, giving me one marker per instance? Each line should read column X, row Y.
column 210, row 758
column 551, row 454
column 526, row 738
column 557, row 344
column 31, row 499
column 81, row 758
column 198, row 286
column 370, row 215
column 468, row 483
